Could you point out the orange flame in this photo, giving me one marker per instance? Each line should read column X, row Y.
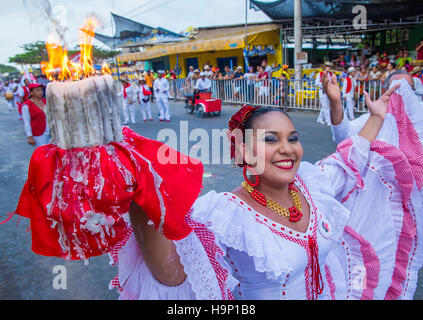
column 105, row 69
column 61, row 68
column 86, row 37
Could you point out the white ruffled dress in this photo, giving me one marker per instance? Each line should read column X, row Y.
column 365, row 216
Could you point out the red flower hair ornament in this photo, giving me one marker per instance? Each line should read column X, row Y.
column 236, row 131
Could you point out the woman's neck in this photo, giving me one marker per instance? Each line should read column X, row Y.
column 274, row 192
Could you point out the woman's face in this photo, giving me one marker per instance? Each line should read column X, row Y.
column 37, row 92
column 276, row 148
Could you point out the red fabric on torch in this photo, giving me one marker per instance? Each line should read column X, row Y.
column 131, row 172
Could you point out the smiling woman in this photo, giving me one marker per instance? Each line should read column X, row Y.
column 344, row 228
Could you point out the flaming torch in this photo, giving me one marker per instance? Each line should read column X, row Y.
column 80, row 187
column 83, row 109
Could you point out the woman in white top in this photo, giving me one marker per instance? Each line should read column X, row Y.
column 350, row 231
column 144, row 95
column 375, row 74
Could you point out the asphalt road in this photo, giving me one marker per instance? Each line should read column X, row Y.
column 25, row 275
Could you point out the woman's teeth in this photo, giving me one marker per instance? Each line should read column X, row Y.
column 284, row 164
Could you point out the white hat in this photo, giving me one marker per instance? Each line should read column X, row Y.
column 202, row 74
column 239, row 68
column 206, row 67
column 328, row 64
column 351, row 69
column 160, row 71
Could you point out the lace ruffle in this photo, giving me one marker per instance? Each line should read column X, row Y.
column 234, row 225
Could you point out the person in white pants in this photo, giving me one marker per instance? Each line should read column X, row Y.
column 324, row 115
column 348, row 89
column 129, row 95
column 11, row 88
column 161, row 91
column 144, row 96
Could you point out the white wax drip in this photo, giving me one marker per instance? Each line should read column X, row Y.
column 84, row 113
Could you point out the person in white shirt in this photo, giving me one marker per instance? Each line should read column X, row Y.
column 23, row 94
column 161, row 91
column 348, row 89
column 144, row 95
column 129, row 94
column 324, row 116
column 203, row 84
column 190, row 75
column 8, row 89
column 208, row 72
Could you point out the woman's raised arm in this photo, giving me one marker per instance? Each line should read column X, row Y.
column 159, row 252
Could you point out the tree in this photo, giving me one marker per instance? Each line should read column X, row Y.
column 8, row 69
column 36, row 52
column 33, row 53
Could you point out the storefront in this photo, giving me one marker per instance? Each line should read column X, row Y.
column 218, row 46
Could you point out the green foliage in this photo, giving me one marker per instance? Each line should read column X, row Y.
column 33, row 53
column 8, row 69
column 36, row 52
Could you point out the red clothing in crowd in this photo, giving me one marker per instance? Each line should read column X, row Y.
column 420, row 54
column 38, row 118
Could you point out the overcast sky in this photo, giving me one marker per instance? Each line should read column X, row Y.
column 24, row 21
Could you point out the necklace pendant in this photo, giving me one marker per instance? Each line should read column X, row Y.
column 259, row 197
column 295, row 214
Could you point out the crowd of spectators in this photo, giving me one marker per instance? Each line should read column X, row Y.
column 374, row 64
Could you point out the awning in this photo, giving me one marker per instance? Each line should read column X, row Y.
column 212, row 39
column 341, row 9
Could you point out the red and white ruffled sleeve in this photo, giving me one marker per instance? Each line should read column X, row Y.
column 380, row 251
column 209, row 277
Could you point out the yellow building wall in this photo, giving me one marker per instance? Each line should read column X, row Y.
column 210, row 57
column 204, row 58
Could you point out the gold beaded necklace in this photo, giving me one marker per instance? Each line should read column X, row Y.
column 294, row 213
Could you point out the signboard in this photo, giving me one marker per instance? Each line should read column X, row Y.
column 302, row 58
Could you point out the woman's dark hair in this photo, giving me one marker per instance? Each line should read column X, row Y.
column 258, row 113
column 393, row 64
column 242, row 120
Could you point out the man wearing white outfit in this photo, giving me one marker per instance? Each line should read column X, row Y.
column 203, row 84
column 324, row 115
column 129, row 94
column 144, row 95
column 348, row 89
column 161, row 91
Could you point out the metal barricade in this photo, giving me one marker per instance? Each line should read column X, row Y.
column 287, row 94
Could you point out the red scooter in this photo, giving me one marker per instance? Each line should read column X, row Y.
column 203, row 104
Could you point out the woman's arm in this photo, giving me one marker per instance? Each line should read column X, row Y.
column 377, row 111
column 159, row 252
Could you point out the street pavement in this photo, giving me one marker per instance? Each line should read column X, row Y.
column 25, row 275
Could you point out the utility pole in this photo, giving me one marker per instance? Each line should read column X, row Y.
column 245, row 50
column 298, row 36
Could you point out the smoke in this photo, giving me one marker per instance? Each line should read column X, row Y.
column 57, row 15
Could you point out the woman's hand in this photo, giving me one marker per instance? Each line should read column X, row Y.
column 331, row 88
column 379, row 107
column 31, row 141
column 377, row 110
